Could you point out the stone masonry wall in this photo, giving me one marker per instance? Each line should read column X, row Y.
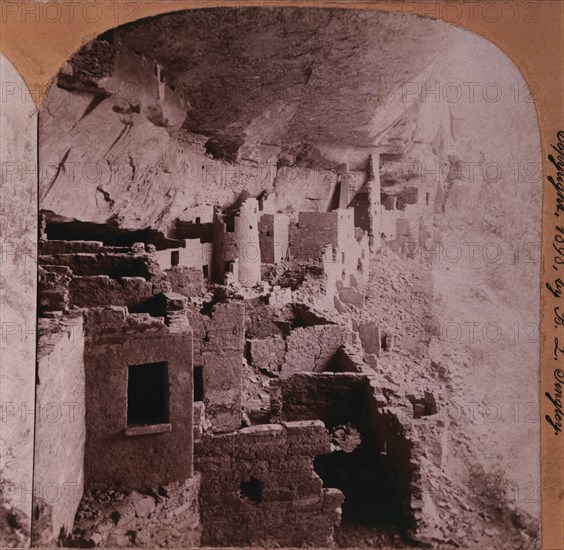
column 187, row 281
column 305, row 349
column 259, row 488
column 339, row 398
column 273, row 237
column 335, row 398
column 315, row 230
column 101, row 290
column 311, row 348
column 218, row 348
column 115, row 340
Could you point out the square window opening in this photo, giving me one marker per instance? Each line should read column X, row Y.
column 175, row 257
column 147, row 394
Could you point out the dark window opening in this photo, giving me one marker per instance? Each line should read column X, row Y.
column 268, row 233
column 198, row 219
column 344, row 274
column 175, row 257
column 228, row 267
column 230, row 225
column 250, row 226
column 427, row 199
column 206, row 271
column 251, row 490
column 359, row 266
column 198, row 384
column 147, row 394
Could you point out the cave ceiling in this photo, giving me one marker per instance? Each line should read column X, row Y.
column 282, row 77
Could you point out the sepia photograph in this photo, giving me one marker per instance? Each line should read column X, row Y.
column 287, row 288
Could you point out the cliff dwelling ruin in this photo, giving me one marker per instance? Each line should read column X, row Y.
column 236, row 229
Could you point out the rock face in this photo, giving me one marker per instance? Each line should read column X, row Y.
column 318, row 75
column 265, row 89
column 193, row 107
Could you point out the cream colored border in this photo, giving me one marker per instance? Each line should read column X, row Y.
column 529, row 32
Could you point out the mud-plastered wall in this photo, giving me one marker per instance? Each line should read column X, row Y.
column 259, row 487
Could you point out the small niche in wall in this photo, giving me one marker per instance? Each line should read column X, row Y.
column 147, row 394
column 251, row 491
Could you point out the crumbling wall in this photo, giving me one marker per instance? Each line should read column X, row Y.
column 116, row 453
column 219, row 343
column 101, row 290
column 259, row 487
column 315, row 230
column 60, row 429
column 53, row 288
column 166, row 517
column 342, row 398
column 346, row 359
column 162, row 104
column 311, row 348
column 113, row 265
column 332, row 238
column 86, row 274
column 268, row 354
column 54, row 247
column 394, row 433
column 334, row 398
column 185, row 280
column 370, row 337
